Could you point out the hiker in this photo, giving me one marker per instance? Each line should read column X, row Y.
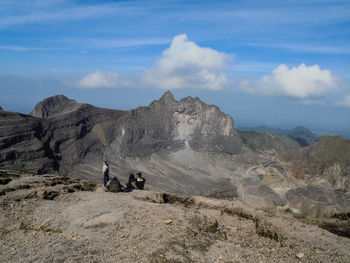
column 114, row 186
column 105, row 173
column 140, row 181
column 131, row 183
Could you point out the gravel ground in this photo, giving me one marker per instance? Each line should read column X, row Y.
column 51, row 219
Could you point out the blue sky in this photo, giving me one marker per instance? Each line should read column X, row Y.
column 278, row 63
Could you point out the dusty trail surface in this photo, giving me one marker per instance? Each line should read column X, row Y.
column 48, row 218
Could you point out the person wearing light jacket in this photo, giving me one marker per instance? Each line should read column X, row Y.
column 105, row 173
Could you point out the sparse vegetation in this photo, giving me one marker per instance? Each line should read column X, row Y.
column 146, row 226
column 45, row 229
column 339, row 228
column 262, row 228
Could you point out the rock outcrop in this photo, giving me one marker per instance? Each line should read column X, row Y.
column 54, row 106
column 167, row 124
column 54, row 141
column 21, row 147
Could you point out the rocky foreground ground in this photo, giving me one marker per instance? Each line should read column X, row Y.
column 49, row 218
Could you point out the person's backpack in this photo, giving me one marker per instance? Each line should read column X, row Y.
column 115, row 185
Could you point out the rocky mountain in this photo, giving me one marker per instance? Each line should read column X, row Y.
column 72, row 220
column 185, row 147
column 50, row 144
column 324, row 167
column 1, row 108
column 54, row 106
column 74, row 139
column 167, row 124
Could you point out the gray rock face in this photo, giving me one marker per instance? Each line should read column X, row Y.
column 21, row 147
column 171, row 125
column 53, row 106
column 54, row 142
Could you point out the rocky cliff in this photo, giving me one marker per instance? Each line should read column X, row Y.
column 54, row 106
column 167, row 124
column 21, row 146
column 53, row 141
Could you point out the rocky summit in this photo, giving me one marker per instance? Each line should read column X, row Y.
column 50, row 218
column 185, row 147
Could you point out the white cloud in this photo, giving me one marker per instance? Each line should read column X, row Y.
column 345, row 101
column 99, row 79
column 300, row 82
column 187, row 65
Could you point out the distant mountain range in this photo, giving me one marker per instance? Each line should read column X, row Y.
column 186, row 147
column 300, row 134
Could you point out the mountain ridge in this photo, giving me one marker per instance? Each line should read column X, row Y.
column 186, row 147
column 300, row 134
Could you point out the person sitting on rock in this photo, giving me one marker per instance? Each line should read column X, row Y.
column 131, row 185
column 115, row 186
column 105, row 173
column 139, row 181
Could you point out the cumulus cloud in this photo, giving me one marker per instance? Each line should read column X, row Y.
column 345, row 101
column 99, row 79
column 300, row 82
column 186, row 65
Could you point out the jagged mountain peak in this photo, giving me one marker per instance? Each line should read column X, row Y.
column 167, row 97
column 55, row 105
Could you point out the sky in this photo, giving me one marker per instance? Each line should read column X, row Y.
column 275, row 63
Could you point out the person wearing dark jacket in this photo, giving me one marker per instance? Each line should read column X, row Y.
column 140, row 181
column 131, row 183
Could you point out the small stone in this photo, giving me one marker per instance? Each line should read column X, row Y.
column 168, row 221
column 300, row 255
